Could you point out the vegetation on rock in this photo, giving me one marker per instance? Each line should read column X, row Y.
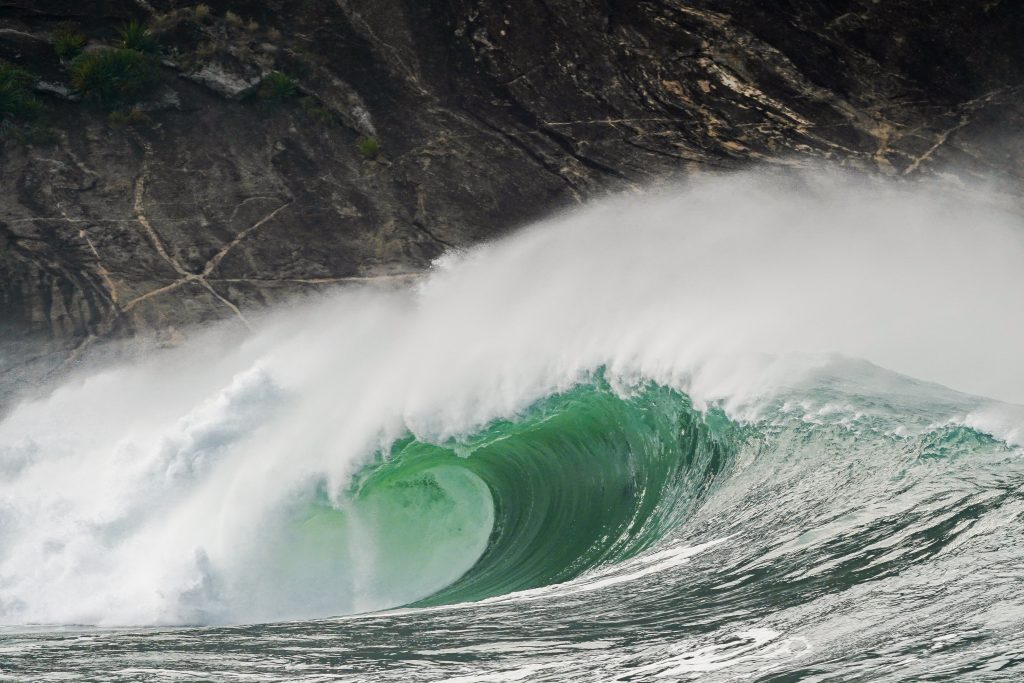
column 131, row 117
column 278, row 86
column 138, row 37
column 68, row 40
column 16, row 98
column 368, row 146
column 316, row 110
column 112, row 77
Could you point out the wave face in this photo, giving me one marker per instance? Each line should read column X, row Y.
column 603, row 478
column 671, row 435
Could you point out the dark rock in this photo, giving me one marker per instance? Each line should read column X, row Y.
column 488, row 114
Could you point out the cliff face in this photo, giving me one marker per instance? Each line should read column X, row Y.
column 415, row 126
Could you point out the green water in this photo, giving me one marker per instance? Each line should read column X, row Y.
column 582, row 479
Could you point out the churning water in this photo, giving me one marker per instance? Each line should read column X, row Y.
column 700, row 432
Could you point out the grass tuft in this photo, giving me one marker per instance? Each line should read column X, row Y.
column 68, row 40
column 112, row 77
column 368, row 146
column 136, row 36
column 202, row 11
column 278, row 86
column 16, row 98
column 233, row 19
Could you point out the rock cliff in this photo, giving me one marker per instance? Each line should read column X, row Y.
column 287, row 145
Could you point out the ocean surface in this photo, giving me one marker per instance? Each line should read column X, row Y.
column 757, row 428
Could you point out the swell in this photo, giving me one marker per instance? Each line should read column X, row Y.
column 582, row 479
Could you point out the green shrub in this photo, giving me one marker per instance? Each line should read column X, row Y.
column 136, row 36
column 369, row 147
column 16, row 98
column 68, row 40
column 111, row 77
column 278, row 86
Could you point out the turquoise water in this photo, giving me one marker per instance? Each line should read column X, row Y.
column 582, row 480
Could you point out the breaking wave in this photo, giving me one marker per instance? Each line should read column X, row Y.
column 564, row 410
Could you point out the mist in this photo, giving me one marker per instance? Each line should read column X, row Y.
column 143, row 492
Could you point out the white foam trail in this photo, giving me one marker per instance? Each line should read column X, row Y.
column 142, row 493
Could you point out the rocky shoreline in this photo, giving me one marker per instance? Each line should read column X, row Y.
column 400, row 129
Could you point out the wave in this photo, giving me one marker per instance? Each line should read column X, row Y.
column 582, row 480
column 558, row 407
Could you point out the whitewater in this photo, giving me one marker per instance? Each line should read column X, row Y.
column 757, row 426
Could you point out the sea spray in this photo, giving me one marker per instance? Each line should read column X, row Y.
column 181, row 488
